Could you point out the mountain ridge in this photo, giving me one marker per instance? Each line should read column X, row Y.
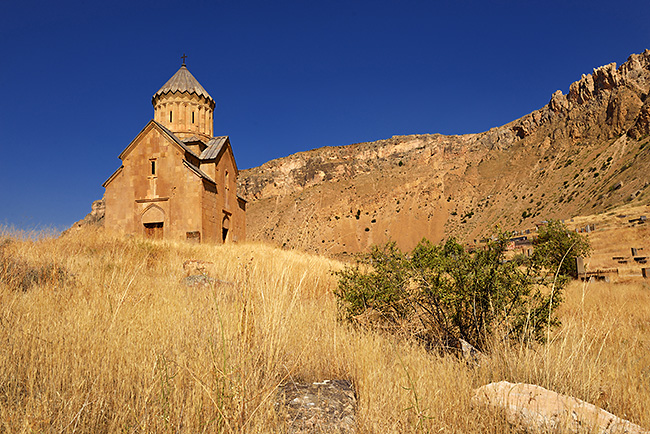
column 582, row 152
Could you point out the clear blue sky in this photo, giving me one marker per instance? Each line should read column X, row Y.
column 77, row 77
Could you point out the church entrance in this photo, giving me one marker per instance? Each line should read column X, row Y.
column 153, row 230
column 152, row 220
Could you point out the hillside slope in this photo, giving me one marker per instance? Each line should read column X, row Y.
column 105, row 334
column 581, row 153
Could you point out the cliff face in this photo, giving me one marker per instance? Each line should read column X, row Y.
column 581, row 153
column 94, row 218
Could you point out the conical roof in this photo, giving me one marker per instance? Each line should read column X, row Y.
column 183, row 81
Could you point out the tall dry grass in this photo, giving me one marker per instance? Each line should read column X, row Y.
column 120, row 344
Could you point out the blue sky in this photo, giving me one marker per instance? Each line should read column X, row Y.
column 78, row 77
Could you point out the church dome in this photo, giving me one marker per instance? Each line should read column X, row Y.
column 184, row 107
column 183, row 81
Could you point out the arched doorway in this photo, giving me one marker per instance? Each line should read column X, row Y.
column 225, row 229
column 153, row 220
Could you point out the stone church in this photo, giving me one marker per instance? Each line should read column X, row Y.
column 177, row 181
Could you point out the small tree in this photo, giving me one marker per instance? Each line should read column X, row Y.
column 557, row 248
column 442, row 293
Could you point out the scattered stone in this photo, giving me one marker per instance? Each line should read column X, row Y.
column 198, row 273
column 198, row 280
column 469, row 352
column 536, row 409
column 322, row 407
column 196, row 266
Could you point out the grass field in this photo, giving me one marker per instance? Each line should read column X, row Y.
column 99, row 334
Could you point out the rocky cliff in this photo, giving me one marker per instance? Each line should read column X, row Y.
column 94, row 218
column 581, row 153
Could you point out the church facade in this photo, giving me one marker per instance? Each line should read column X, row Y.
column 178, row 181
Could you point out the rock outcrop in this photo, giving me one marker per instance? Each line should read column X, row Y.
column 555, row 162
column 536, row 409
column 94, row 218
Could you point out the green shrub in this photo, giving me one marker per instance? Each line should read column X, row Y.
column 439, row 294
column 556, row 249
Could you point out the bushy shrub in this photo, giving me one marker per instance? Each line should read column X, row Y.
column 556, row 249
column 440, row 294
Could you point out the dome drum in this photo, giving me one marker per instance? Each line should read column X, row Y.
column 183, row 106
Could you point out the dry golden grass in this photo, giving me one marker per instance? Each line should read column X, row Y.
column 119, row 344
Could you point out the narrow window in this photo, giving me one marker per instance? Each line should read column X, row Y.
column 153, row 167
column 192, row 117
column 170, row 116
column 226, row 189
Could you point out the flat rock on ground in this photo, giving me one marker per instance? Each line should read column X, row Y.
column 536, row 409
column 322, row 407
